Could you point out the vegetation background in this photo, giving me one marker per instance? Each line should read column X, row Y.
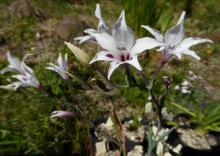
column 41, row 26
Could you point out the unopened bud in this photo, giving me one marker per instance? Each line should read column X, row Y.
column 80, row 54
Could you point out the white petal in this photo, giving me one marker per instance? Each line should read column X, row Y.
column 190, row 41
column 22, row 78
column 90, row 30
column 103, row 56
column 189, row 52
column 4, row 70
column 175, row 34
column 27, row 80
column 12, row 86
column 161, row 49
column 26, row 56
column 105, row 41
column 122, row 34
column 61, row 113
column 181, row 18
column 144, row 44
column 134, row 62
column 83, row 39
column 178, row 55
column 58, row 70
column 112, row 67
column 26, row 70
column 53, row 67
column 102, row 26
column 60, row 60
column 154, row 32
column 15, row 63
column 65, row 63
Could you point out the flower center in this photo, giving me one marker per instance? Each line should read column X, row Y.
column 124, row 57
column 171, row 47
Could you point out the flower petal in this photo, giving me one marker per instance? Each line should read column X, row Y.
column 27, row 80
column 154, row 32
column 113, row 65
column 103, row 56
column 6, row 69
column 190, row 41
column 14, row 62
column 144, row 44
column 60, row 60
column 182, row 16
column 122, row 34
column 83, row 39
column 26, row 70
column 104, row 40
column 65, row 63
column 65, row 114
column 13, row 86
column 53, row 67
column 102, row 26
column 134, row 62
column 188, row 52
column 22, row 78
column 175, row 34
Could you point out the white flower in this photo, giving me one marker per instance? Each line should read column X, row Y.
column 61, row 68
column 185, row 87
column 60, row 113
column 102, row 27
column 121, row 47
column 174, row 41
column 177, row 87
column 193, row 77
column 14, row 64
column 25, row 74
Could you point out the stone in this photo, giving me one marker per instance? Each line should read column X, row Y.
column 100, row 148
column 70, row 27
column 109, row 122
column 20, row 8
column 195, row 140
column 137, row 151
column 148, row 107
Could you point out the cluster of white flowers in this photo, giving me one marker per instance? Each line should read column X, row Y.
column 24, row 74
column 120, row 47
column 185, row 86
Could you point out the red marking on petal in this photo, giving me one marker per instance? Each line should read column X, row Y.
column 110, row 56
column 123, row 57
column 25, row 79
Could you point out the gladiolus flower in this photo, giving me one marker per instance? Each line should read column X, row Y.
column 61, row 68
column 64, row 114
column 174, row 42
column 120, row 47
column 25, row 74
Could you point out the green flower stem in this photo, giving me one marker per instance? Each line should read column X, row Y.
column 130, row 77
column 119, row 130
column 108, row 83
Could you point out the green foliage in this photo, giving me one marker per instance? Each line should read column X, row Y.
column 147, row 12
